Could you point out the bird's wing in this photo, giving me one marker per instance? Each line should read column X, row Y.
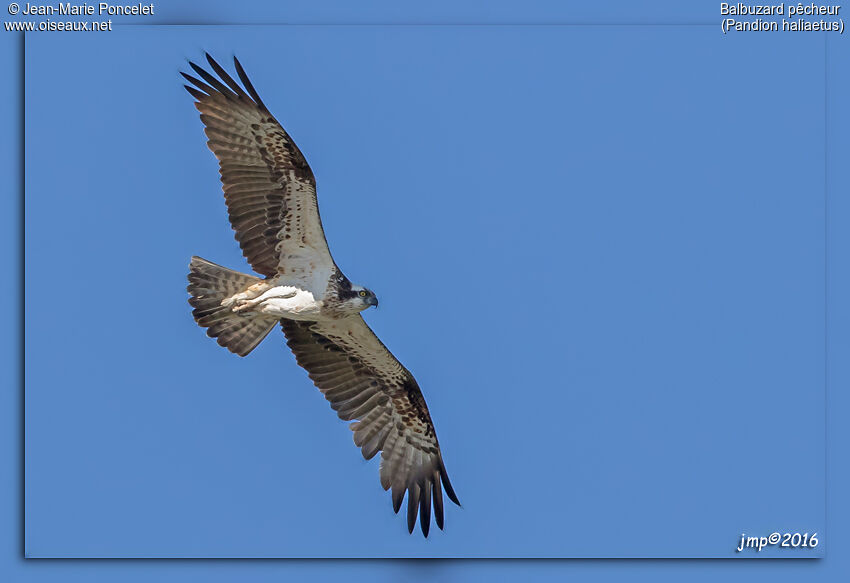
column 364, row 382
column 269, row 188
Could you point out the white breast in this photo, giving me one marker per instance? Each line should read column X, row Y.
column 290, row 302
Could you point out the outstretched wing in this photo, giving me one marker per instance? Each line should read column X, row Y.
column 268, row 186
column 363, row 381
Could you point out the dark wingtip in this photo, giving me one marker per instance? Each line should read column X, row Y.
column 195, row 93
column 412, row 506
column 218, row 85
column 447, row 485
column 398, row 496
column 225, row 76
column 201, row 89
column 438, row 499
column 197, row 68
column 249, row 87
column 239, row 70
column 425, row 508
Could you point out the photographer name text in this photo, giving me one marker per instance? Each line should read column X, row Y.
column 99, row 9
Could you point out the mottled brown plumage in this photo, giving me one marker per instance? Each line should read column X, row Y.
column 269, row 188
column 363, row 380
column 209, row 284
column 270, row 193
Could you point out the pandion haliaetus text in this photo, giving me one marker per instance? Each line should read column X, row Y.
column 270, row 193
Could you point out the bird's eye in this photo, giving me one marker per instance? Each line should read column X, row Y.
column 362, row 293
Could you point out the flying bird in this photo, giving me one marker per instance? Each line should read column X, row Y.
column 270, row 193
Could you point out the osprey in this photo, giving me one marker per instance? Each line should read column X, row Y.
column 270, row 193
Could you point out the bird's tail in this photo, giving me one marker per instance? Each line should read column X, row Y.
column 209, row 285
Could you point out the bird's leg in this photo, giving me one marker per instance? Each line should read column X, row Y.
column 275, row 292
column 236, row 301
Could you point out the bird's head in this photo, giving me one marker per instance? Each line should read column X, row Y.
column 362, row 298
column 352, row 298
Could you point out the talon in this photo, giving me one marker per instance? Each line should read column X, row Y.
column 236, row 299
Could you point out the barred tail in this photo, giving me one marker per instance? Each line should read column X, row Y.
column 209, row 284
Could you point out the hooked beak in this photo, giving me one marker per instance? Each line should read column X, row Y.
column 373, row 301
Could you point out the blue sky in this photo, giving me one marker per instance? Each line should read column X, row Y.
column 639, row 252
